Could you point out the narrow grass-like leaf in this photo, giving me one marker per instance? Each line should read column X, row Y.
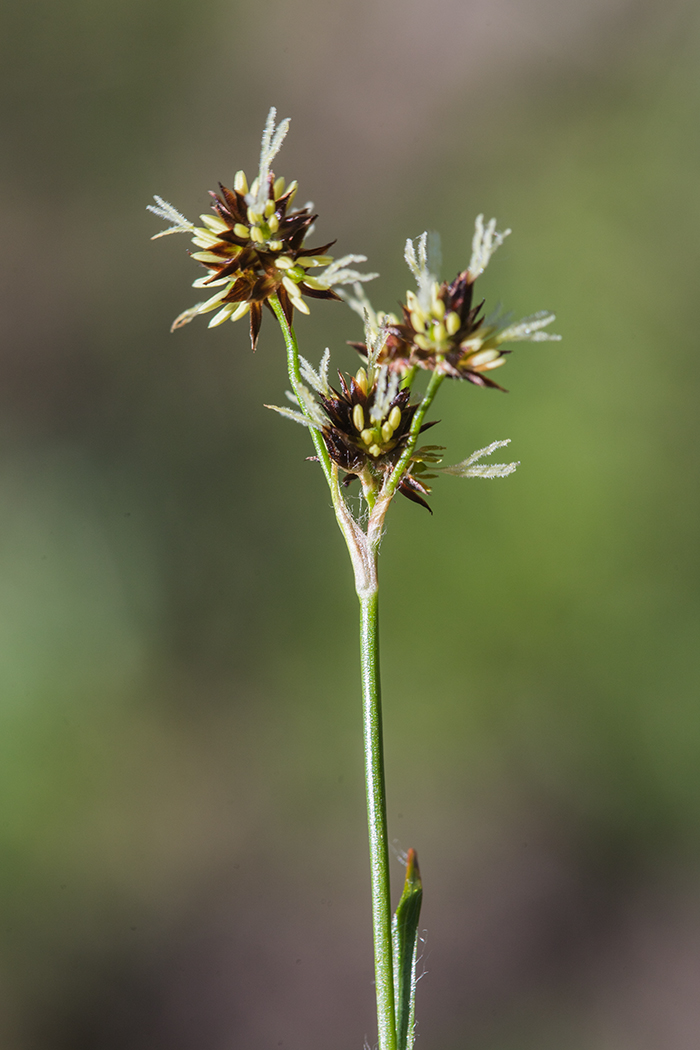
column 404, row 936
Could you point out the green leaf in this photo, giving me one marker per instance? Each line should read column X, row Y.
column 404, row 937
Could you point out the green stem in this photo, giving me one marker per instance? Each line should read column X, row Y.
column 376, row 821
column 389, row 488
column 290, row 341
column 407, row 380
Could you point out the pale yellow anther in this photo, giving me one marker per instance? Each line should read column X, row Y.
column 223, row 315
column 361, row 380
column 275, row 246
column 240, row 311
column 394, row 417
column 374, row 450
column 369, row 436
column 301, row 306
column 214, row 223
column 358, row 418
column 452, row 323
column 204, row 238
column 290, row 286
column 240, row 182
column 256, row 234
column 483, row 358
column 241, row 231
column 292, row 190
column 312, row 281
column 254, row 188
column 411, row 301
column 284, row 262
column 438, row 307
column 273, row 224
column 269, row 208
column 417, row 321
column 316, row 260
column 387, row 431
column 207, row 257
column 278, row 187
column 422, row 343
column 439, row 333
column 253, row 215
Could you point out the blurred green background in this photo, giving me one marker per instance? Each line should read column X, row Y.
column 182, row 834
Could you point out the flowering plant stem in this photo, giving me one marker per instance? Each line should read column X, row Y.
column 367, row 431
column 363, row 552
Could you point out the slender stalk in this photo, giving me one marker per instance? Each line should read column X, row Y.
column 295, row 379
column 375, row 525
column 407, row 380
column 376, row 821
column 390, row 486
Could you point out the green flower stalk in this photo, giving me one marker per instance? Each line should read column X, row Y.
column 365, row 428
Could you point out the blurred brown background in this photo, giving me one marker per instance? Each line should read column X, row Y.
column 184, row 862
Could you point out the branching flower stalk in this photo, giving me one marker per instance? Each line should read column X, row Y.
column 365, row 430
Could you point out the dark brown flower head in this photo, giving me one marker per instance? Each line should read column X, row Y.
column 253, row 247
column 442, row 328
column 367, row 428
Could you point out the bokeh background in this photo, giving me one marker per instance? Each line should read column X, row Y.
column 182, row 834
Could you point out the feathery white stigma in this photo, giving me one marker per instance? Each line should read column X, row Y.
column 166, row 211
column 484, row 243
column 272, row 139
column 471, row 468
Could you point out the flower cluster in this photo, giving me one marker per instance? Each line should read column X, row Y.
column 253, row 246
column 441, row 328
column 365, row 424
